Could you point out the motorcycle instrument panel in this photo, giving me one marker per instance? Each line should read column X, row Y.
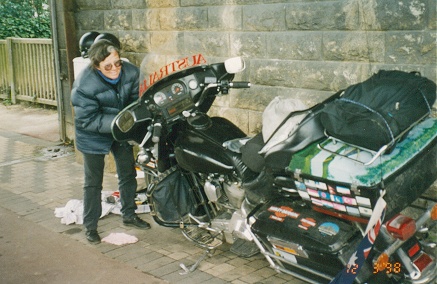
column 173, row 99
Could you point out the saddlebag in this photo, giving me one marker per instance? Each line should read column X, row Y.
column 171, row 198
column 297, row 236
column 335, row 179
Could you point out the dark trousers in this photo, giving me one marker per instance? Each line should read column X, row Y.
column 94, row 165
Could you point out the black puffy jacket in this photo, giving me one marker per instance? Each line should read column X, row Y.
column 97, row 102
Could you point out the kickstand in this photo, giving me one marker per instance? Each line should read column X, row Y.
column 195, row 265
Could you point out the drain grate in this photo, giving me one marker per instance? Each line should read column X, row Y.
column 55, row 152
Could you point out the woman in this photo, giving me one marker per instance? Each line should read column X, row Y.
column 100, row 92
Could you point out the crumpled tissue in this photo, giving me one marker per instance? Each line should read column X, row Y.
column 71, row 213
column 120, row 239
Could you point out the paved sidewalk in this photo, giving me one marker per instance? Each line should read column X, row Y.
column 37, row 176
column 29, row 253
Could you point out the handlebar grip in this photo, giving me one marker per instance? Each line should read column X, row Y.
column 156, row 132
column 239, row 85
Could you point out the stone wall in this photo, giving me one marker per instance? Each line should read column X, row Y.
column 304, row 49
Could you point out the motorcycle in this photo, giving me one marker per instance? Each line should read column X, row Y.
column 208, row 178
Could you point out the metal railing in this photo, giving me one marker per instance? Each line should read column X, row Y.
column 27, row 70
column 4, row 81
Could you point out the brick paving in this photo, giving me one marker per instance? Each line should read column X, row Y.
column 33, row 184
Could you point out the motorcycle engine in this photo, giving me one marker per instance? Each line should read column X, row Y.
column 212, row 190
column 235, row 194
column 224, row 192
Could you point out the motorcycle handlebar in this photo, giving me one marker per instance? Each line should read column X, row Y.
column 156, row 132
column 239, row 85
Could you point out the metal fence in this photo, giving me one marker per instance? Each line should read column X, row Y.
column 27, row 70
column 4, row 81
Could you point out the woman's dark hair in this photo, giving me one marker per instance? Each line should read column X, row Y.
column 100, row 50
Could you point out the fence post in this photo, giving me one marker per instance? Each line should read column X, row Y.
column 9, row 55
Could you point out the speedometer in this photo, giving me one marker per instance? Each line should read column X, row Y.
column 160, row 98
column 177, row 89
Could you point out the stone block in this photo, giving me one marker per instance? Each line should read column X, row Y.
column 414, row 47
column 211, row 43
column 168, row 43
column 161, row 3
column 225, row 18
column 185, row 3
column 145, row 19
column 93, row 5
column 320, row 16
column 354, row 46
column 118, row 20
column 191, row 18
column 134, row 41
column 90, row 20
column 432, row 15
column 264, row 17
column 251, row 45
column 130, row 4
column 295, row 45
column 402, row 15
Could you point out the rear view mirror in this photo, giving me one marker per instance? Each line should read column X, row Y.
column 125, row 121
column 235, row 65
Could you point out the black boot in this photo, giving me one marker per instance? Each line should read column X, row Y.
column 92, row 236
column 135, row 221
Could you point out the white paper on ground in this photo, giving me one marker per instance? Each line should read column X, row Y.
column 120, row 239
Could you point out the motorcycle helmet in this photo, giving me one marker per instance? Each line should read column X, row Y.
column 86, row 41
column 112, row 38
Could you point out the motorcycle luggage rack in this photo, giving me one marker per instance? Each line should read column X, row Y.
column 354, row 148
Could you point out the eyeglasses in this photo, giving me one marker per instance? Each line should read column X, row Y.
column 117, row 64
